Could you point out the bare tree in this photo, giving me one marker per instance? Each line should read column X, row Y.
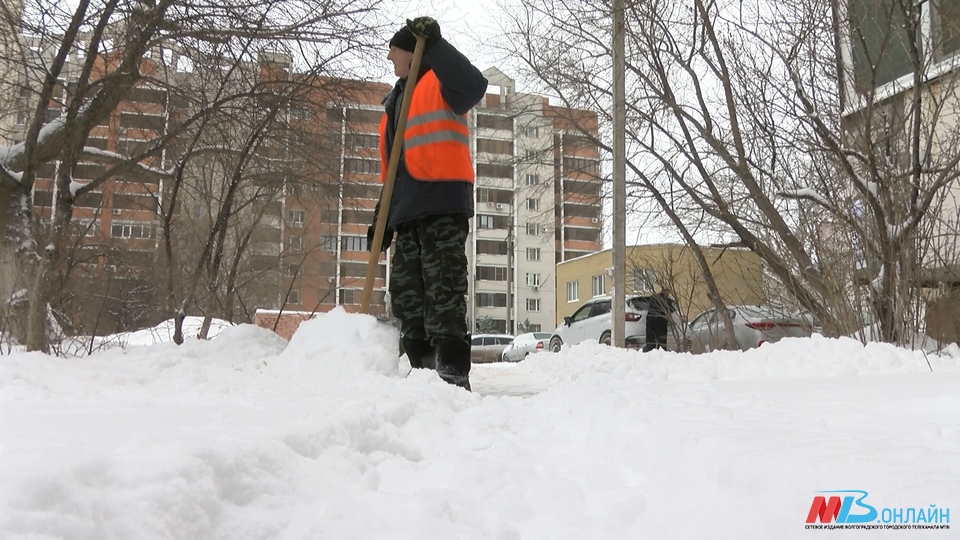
column 83, row 59
column 736, row 120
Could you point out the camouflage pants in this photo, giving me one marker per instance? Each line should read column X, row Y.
column 428, row 280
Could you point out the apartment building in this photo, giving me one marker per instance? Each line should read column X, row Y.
column 9, row 91
column 537, row 202
column 113, row 226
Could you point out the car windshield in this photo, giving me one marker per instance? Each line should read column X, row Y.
column 541, row 335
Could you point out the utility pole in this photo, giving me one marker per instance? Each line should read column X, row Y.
column 619, row 178
column 510, row 276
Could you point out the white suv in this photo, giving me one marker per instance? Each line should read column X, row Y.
column 593, row 322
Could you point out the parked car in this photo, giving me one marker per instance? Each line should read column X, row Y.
column 487, row 347
column 525, row 344
column 752, row 325
column 593, row 321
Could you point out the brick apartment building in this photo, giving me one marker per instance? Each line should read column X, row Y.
column 538, row 202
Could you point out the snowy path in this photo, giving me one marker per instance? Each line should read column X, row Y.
column 504, row 379
column 249, row 438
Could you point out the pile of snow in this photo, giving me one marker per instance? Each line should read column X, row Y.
column 74, row 346
column 328, row 436
column 915, row 341
column 163, row 332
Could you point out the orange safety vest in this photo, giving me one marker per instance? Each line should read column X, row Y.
column 436, row 142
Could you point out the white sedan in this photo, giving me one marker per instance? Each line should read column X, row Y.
column 524, row 344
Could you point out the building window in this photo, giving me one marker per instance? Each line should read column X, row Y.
column 293, row 297
column 362, row 166
column 131, row 230
column 491, row 300
column 492, row 146
column 494, row 171
column 533, row 254
column 573, row 291
column 295, row 244
column 495, row 122
column 532, row 131
column 879, row 38
column 533, row 204
column 138, row 120
column 491, row 273
column 485, row 222
column 328, row 243
column 582, row 233
column 947, row 13
column 491, row 247
column 487, row 195
column 644, row 279
column 533, row 229
column 581, row 165
column 598, row 286
column 365, row 116
column 533, row 279
column 353, row 243
column 362, row 140
column 533, row 179
column 297, row 217
column 352, row 191
column 352, row 297
column 533, row 304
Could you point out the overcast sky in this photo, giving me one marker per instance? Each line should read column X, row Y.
column 469, row 25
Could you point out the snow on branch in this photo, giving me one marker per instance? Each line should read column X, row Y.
column 895, row 232
column 15, row 176
column 8, row 154
column 113, row 157
column 807, row 194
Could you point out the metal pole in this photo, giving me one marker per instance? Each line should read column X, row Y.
column 510, row 280
column 619, row 178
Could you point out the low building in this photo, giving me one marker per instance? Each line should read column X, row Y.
column 738, row 274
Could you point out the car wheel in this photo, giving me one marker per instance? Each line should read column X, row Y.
column 555, row 344
column 605, row 338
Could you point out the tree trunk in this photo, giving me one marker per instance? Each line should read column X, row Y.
column 38, row 327
column 17, row 260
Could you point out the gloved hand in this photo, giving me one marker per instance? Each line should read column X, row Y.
column 387, row 238
column 426, row 27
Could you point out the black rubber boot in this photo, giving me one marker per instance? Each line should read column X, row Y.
column 421, row 354
column 453, row 361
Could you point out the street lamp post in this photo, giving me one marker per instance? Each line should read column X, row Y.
column 619, row 179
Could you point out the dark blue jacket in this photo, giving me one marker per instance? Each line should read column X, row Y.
column 462, row 87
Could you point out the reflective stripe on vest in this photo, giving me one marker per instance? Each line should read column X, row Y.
column 436, row 143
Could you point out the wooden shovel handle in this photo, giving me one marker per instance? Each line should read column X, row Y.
column 387, row 193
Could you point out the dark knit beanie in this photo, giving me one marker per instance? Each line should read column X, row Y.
column 404, row 39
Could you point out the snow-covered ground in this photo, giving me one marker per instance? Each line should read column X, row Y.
column 161, row 333
column 248, row 437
